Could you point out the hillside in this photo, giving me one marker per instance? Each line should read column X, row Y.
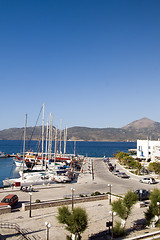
column 139, row 129
column 142, row 123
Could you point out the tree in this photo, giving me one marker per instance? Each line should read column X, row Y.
column 154, row 198
column 129, row 200
column 121, row 155
column 153, row 208
column 76, row 221
column 139, row 167
column 154, row 167
column 124, row 206
column 129, row 161
column 120, row 209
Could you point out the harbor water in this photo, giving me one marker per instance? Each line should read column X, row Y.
column 89, row 149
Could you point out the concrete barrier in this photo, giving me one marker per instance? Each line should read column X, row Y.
column 5, row 209
column 149, row 236
column 55, row 203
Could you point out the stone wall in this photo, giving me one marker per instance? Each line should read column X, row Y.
column 55, row 203
column 5, row 209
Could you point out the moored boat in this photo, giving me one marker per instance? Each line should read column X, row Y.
column 3, row 155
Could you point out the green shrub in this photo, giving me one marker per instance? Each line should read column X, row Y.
column 158, row 224
column 118, row 231
column 95, row 193
column 81, row 195
column 68, row 237
column 37, row 201
column 149, row 215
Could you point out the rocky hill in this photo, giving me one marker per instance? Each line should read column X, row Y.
column 139, row 129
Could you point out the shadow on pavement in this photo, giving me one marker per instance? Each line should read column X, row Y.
column 100, row 236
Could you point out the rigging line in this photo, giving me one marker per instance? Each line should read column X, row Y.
column 34, row 128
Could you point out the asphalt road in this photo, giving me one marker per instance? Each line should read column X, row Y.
column 119, row 185
column 86, row 184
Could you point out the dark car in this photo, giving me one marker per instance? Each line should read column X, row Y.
column 109, row 164
column 10, row 199
column 142, row 194
column 111, row 168
column 124, row 175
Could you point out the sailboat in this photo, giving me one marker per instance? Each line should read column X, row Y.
column 32, row 178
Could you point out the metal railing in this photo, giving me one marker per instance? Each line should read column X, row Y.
column 24, row 232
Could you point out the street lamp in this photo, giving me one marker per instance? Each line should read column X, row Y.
column 110, row 186
column 112, row 214
column 48, row 225
column 30, row 198
column 92, row 170
column 158, row 205
column 73, row 190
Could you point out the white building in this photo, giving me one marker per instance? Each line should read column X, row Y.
column 148, row 149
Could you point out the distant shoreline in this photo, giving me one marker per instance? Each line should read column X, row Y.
column 70, row 140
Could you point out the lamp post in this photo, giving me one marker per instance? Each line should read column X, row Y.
column 110, row 187
column 48, row 225
column 158, row 205
column 92, row 170
column 72, row 190
column 112, row 214
column 30, row 199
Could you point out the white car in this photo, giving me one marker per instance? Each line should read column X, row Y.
column 148, row 180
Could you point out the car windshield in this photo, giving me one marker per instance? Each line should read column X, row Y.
column 6, row 200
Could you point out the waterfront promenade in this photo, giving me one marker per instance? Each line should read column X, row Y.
column 98, row 211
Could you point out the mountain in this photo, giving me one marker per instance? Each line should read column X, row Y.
column 139, row 129
column 17, row 133
column 142, row 123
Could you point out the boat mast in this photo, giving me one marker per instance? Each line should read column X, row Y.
column 46, row 148
column 65, row 139
column 24, row 145
column 74, row 147
column 55, row 146
column 60, row 137
column 50, row 135
column 42, row 135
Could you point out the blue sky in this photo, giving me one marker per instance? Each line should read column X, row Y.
column 94, row 63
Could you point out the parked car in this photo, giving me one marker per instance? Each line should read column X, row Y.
column 115, row 172
column 10, row 199
column 119, row 174
column 109, row 164
column 142, row 194
column 123, row 175
column 111, row 168
column 148, row 180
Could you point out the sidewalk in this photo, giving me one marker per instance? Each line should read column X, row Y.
column 98, row 215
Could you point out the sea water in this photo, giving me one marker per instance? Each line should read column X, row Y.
column 89, row 149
